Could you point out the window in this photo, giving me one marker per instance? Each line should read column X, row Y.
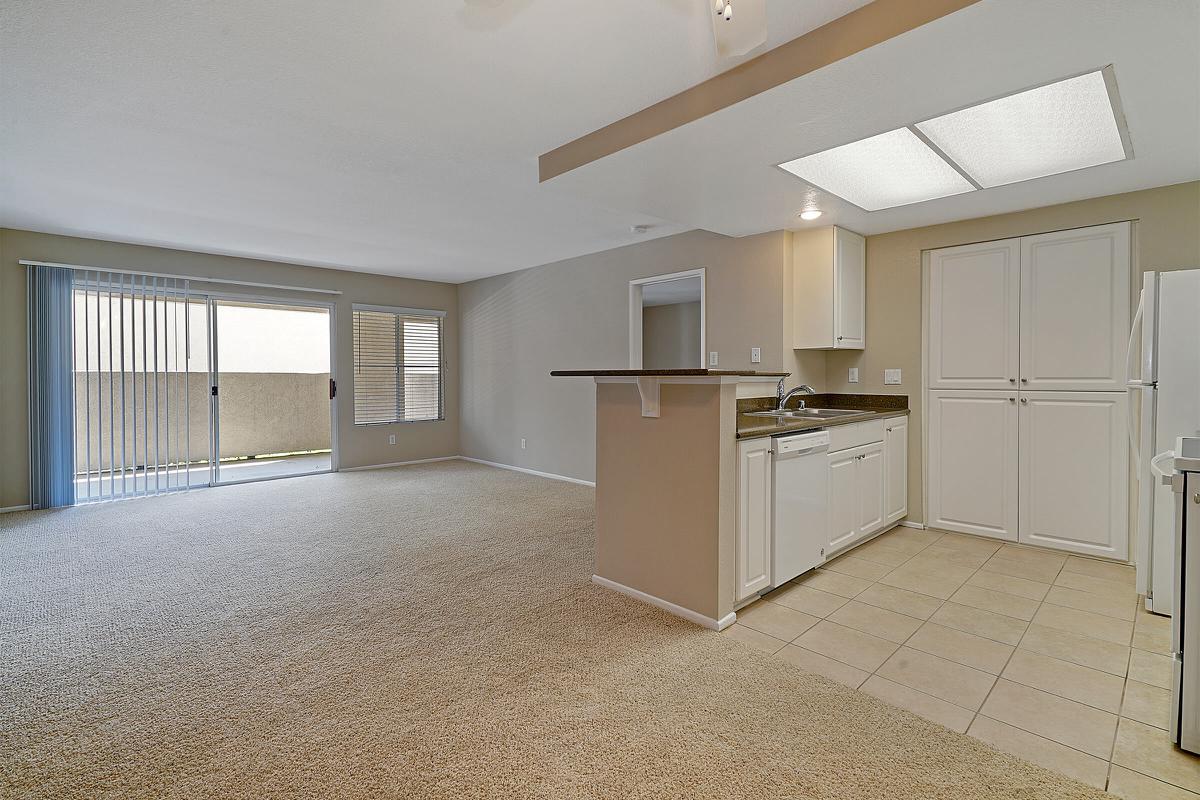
column 397, row 365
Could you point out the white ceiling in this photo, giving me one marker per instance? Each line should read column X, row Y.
column 397, row 137
column 993, row 48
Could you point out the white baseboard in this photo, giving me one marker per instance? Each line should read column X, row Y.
column 918, row 525
column 550, row 475
column 399, row 463
column 668, row 606
column 10, row 509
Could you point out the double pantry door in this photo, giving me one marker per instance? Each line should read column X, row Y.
column 1027, row 408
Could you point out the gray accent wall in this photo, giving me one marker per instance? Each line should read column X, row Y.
column 574, row 314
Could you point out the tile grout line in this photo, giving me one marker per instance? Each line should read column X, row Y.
column 941, row 603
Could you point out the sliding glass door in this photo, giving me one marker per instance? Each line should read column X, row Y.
column 175, row 389
column 272, row 404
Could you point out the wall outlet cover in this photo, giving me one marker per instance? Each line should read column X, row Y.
column 853, row 376
column 755, row 355
column 391, row 438
column 712, row 358
column 522, row 444
column 891, row 377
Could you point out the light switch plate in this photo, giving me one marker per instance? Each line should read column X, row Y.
column 891, row 377
column 853, row 376
column 712, row 358
column 755, row 355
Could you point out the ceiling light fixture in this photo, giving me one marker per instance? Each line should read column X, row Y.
column 724, row 9
column 1060, row 127
column 892, row 169
column 809, row 214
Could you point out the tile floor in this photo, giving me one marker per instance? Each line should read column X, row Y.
column 1047, row 656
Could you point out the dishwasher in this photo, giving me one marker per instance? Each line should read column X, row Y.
column 800, row 513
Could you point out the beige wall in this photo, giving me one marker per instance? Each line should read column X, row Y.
column 671, row 336
column 575, row 314
column 1167, row 237
column 358, row 446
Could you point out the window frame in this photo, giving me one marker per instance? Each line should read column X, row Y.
column 401, row 311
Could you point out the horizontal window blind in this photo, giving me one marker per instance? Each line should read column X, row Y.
column 397, row 365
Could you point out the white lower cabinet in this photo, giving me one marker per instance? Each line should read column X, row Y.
column 856, row 494
column 1040, row 468
column 1074, row 491
column 843, row 499
column 895, row 454
column 973, row 462
column 753, row 554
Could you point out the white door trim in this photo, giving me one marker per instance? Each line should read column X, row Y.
column 635, row 313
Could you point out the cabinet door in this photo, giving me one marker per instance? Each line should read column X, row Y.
column 1075, row 472
column 754, row 517
column 869, row 480
column 974, row 308
column 850, row 290
column 972, row 463
column 1075, row 298
column 895, row 481
column 843, row 499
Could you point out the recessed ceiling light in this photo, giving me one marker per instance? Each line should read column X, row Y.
column 810, row 214
column 892, row 169
column 1052, row 129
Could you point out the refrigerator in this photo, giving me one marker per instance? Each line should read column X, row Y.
column 1163, row 379
column 1185, row 624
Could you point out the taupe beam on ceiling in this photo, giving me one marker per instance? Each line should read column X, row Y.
column 862, row 28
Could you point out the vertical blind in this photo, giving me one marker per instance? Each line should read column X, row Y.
column 397, row 365
column 138, row 409
column 51, row 389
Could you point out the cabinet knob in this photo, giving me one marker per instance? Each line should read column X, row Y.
column 1012, row 399
column 1196, row 498
column 1024, row 399
column 1012, row 380
column 1024, row 380
column 839, row 338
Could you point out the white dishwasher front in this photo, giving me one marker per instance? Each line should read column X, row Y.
column 800, row 515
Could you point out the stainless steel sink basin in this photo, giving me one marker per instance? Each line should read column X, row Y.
column 809, row 413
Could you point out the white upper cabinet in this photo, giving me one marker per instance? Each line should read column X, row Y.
column 1075, row 298
column 829, row 303
column 1074, row 480
column 972, row 462
column 974, row 316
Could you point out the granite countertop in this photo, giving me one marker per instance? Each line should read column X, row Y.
column 876, row 406
column 663, row 373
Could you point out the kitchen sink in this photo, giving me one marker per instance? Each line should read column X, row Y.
column 809, row 413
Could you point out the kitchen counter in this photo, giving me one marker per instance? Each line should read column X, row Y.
column 875, row 406
column 663, row 373
column 755, row 427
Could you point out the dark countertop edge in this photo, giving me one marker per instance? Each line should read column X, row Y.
column 665, row 373
column 759, row 430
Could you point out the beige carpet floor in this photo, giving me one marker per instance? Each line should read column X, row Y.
column 417, row 632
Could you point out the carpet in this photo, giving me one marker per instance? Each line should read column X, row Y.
column 425, row 631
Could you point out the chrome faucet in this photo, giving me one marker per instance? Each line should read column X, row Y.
column 782, row 397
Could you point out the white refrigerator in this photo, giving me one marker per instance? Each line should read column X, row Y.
column 1164, row 384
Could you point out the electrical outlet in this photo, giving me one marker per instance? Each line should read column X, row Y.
column 522, row 444
column 891, row 377
column 391, row 438
column 712, row 358
column 853, row 376
column 755, row 355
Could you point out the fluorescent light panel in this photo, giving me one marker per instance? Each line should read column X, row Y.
column 1053, row 129
column 892, row 169
column 1049, row 130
